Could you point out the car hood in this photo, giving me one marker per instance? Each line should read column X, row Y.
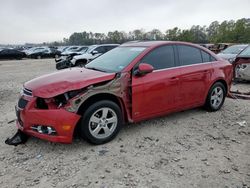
column 227, row 56
column 84, row 56
column 59, row 82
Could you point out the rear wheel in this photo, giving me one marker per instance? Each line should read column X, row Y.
column 216, row 97
column 101, row 122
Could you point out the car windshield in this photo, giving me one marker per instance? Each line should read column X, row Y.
column 91, row 48
column 235, row 49
column 116, row 59
column 245, row 53
column 82, row 49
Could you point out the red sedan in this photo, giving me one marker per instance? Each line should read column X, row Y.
column 131, row 83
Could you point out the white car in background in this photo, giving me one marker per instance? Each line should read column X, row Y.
column 231, row 52
column 93, row 52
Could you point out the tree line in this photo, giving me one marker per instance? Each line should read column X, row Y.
column 225, row 32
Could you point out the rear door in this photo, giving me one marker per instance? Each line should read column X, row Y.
column 196, row 70
column 157, row 92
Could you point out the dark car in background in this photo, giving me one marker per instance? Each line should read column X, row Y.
column 43, row 52
column 231, row 52
column 11, row 54
column 93, row 52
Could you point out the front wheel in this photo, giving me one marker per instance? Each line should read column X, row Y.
column 216, row 97
column 101, row 122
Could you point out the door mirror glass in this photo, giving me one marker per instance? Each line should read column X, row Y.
column 143, row 69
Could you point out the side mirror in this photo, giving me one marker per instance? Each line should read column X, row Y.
column 94, row 52
column 143, row 69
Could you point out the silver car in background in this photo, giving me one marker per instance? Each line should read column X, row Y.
column 231, row 52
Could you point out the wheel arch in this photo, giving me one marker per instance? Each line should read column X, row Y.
column 221, row 80
column 103, row 96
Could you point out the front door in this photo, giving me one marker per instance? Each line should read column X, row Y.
column 156, row 93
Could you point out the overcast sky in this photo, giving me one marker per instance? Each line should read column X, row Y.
column 52, row 20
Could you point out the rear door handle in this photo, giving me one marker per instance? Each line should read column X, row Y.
column 174, row 78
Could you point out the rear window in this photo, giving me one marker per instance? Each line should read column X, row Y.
column 206, row 57
column 189, row 55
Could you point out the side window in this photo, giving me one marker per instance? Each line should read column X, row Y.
column 189, row 55
column 160, row 58
column 207, row 57
column 212, row 58
column 100, row 49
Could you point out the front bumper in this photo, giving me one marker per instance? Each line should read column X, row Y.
column 63, row 64
column 62, row 121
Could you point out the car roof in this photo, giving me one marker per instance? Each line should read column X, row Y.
column 240, row 45
column 153, row 43
column 97, row 45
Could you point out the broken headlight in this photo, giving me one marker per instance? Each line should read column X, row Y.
column 57, row 101
column 62, row 99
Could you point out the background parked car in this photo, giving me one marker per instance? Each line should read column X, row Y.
column 70, row 48
column 93, row 52
column 231, row 52
column 11, row 54
column 242, row 64
column 42, row 52
column 62, row 48
column 68, row 54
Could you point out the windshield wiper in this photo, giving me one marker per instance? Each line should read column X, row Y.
column 93, row 68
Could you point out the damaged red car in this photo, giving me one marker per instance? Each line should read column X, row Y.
column 133, row 82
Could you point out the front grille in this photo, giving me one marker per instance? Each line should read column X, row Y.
column 22, row 103
column 27, row 92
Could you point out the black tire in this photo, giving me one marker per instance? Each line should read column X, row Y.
column 86, row 126
column 210, row 101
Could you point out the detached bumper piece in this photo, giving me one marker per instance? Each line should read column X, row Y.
column 19, row 138
column 239, row 95
column 63, row 64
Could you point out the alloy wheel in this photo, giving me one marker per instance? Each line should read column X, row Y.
column 103, row 123
column 217, row 97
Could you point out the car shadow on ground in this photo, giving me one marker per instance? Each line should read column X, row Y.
column 127, row 132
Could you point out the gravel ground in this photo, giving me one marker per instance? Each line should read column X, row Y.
column 186, row 149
